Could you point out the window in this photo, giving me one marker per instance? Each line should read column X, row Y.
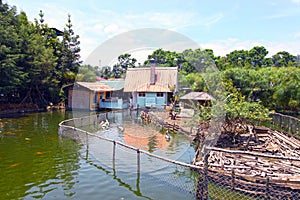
column 160, row 94
column 108, row 95
column 142, row 94
column 95, row 98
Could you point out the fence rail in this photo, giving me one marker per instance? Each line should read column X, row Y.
column 286, row 123
column 202, row 181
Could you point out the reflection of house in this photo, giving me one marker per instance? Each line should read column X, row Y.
column 150, row 86
column 146, row 139
column 200, row 98
column 94, row 96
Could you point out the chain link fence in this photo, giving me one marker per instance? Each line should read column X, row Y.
column 222, row 174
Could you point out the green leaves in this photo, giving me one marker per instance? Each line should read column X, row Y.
column 34, row 63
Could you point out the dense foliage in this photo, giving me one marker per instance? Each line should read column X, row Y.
column 36, row 61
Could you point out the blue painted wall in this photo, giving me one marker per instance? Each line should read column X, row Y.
column 151, row 99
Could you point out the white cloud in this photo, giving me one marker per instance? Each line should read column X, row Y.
column 296, row 1
column 112, row 28
column 297, row 34
column 213, row 19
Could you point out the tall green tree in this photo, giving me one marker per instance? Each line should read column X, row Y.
column 69, row 59
column 10, row 43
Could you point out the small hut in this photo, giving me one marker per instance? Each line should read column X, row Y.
column 196, row 98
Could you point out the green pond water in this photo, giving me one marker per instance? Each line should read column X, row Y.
column 35, row 163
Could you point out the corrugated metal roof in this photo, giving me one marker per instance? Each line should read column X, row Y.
column 116, row 84
column 138, row 79
column 198, row 96
column 96, row 86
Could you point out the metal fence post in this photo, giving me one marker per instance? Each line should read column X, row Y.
column 205, row 186
column 199, row 191
column 291, row 126
column 87, row 139
column 138, row 161
column 232, row 179
column 74, row 134
column 114, row 153
column 60, row 131
column 267, row 195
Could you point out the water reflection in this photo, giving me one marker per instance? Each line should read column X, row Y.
column 36, row 164
column 33, row 160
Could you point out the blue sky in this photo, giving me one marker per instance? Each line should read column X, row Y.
column 223, row 26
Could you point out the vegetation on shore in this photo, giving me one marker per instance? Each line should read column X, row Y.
column 37, row 61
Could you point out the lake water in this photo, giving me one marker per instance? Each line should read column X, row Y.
column 35, row 163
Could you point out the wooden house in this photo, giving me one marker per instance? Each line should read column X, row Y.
column 150, row 86
column 116, row 99
column 96, row 95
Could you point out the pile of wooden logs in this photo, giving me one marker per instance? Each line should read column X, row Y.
column 273, row 156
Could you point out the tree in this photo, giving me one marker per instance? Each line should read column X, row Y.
column 257, row 55
column 283, row 59
column 165, row 58
column 87, row 73
column 238, row 58
column 198, row 60
column 124, row 62
column 69, row 59
column 38, row 64
column 10, row 43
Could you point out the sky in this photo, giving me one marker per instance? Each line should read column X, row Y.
column 222, row 26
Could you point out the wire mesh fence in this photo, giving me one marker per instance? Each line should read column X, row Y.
column 222, row 174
